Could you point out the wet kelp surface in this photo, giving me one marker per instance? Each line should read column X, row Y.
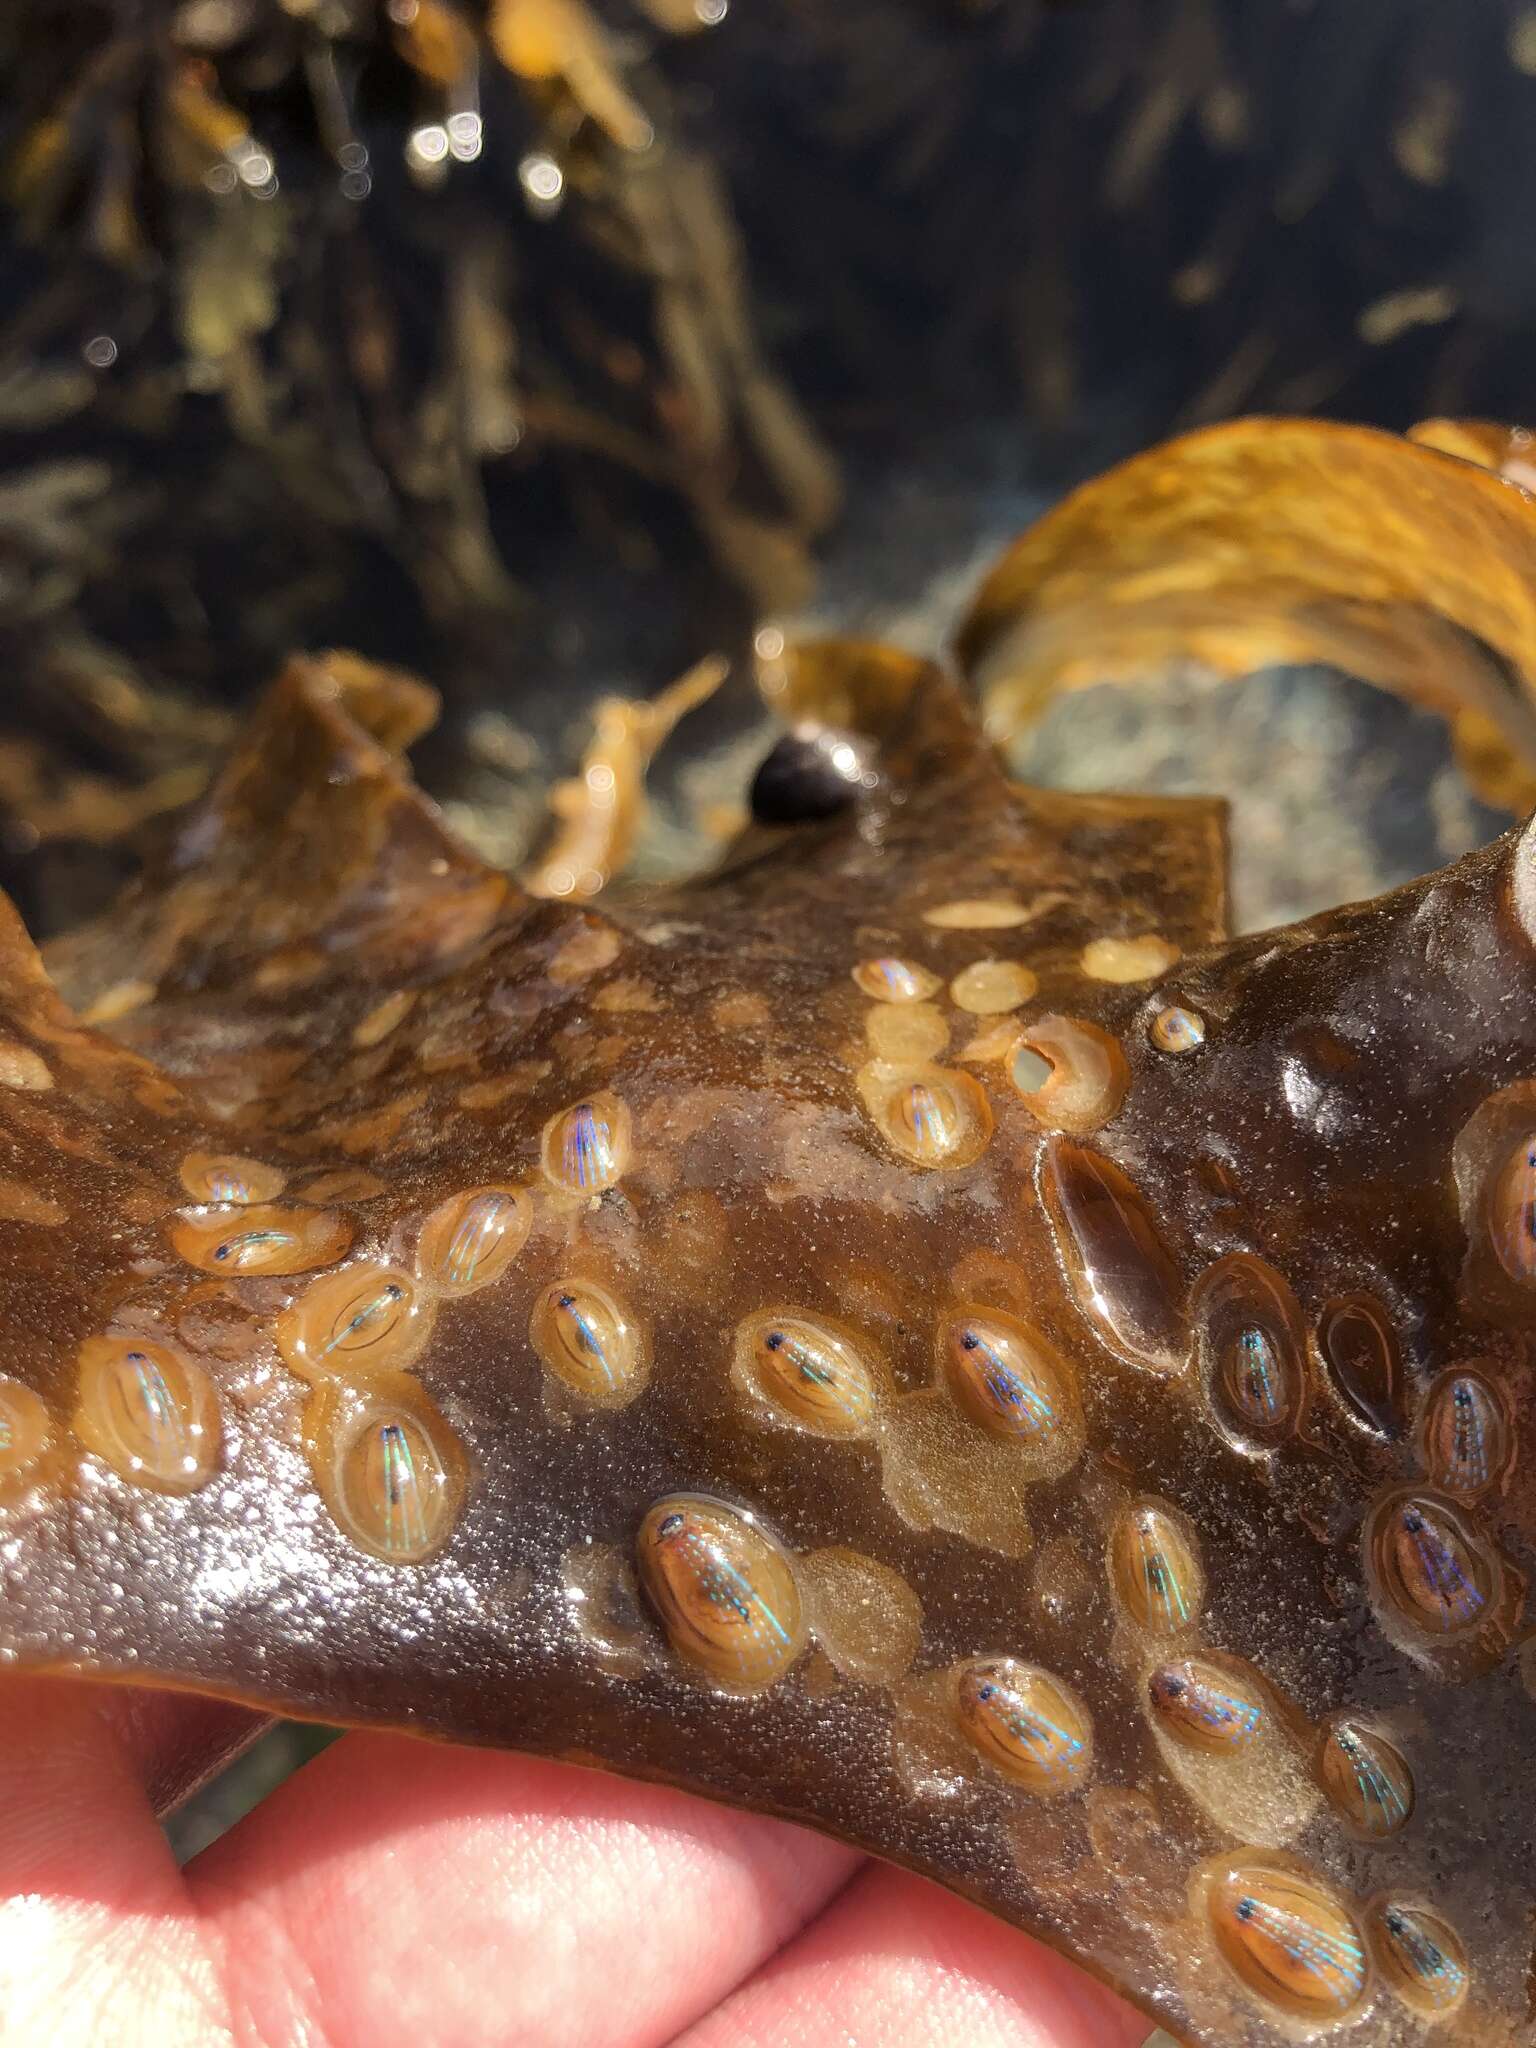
column 913, row 1329
column 534, row 344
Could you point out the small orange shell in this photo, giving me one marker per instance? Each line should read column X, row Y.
column 469, row 1241
column 1025, row 1723
column 365, row 1318
column 259, row 1238
column 149, row 1412
column 809, row 1373
column 388, row 1467
column 726, row 1593
column 1155, row 1569
column 1289, row 1939
column 591, row 1342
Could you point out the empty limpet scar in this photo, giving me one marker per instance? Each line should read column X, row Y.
column 945, row 1405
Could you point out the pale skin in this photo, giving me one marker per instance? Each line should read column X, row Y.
column 396, row 1891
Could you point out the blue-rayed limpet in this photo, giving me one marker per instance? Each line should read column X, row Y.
column 1366, row 1778
column 1289, row 1939
column 149, row 1412
column 889, row 980
column 586, row 1148
column 809, row 1373
column 1155, row 1570
column 1254, row 1378
column 1005, row 1376
column 934, row 1116
column 1025, row 1723
column 1420, row 1957
column 1252, row 1344
column 365, row 1318
column 1434, row 1570
column 469, row 1241
column 590, row 1341
column 1204, row 1706
column 259, row 1238
column 1177, row 1030
column 230, row 1177
column 725, row 1592
column 388, row 1467
column 1464, row 1435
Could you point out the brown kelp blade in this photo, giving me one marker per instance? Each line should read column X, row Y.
column 915, row 1332
column 1277, row 540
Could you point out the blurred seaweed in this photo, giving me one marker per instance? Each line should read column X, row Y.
column 534, row 343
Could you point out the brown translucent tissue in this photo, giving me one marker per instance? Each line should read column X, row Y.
column 917, row 1331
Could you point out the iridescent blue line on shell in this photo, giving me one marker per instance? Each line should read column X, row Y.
column 1055, row 1748
column 157, row 1404
column 1257, row 1385
column 1378, row 1795
column 1470, row 1468
column 1461, row 1600
column 586, row 1152
column 386, row 1298
column 239, row 1248
column 474, row 1235
column 1309, row 1947
column 405, row 1525
column 1223, row 1713
column 720, row 1582
column 1439, row 1976
column 587, row 1338
column 1011, row 1390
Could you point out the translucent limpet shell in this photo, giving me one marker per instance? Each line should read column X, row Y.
column 1360, row 1349
column 1005, row 1376
column 1204, row 1706
column 1155, row 1570
column 389, row 1469
column 364, row 1318
column 725, row 1592
column 1420, row 1957
column 1177, row 1030
column 1288, row 1939
column 469, row 1241
column 1072, row 1075
column 807, row 1372
column 1121, row 1270
column 261, row 1238
column 586, row 1147
column 1366, row 1778
column 1252, row 1346
column 1433, row 1569
column 590, row 1341
column 231, row 1177
column 889, row 980
column 26, row 1432
column 1464, row 1434
column 1512, row 1213
column 1025, row 1723
column 149, row 1412
column 933, row 1116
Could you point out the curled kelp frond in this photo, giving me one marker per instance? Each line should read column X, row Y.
column 1267, row 541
